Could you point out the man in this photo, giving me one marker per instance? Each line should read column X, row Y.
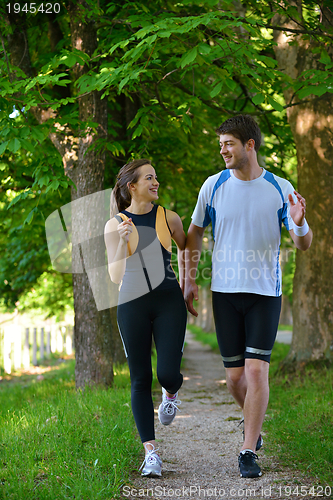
column 246, row 205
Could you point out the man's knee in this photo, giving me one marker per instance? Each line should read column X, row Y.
column 234, row 376
column 256, row 370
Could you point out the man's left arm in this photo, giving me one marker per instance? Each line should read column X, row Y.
column 300, row 233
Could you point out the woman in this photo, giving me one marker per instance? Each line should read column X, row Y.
column 151, row 303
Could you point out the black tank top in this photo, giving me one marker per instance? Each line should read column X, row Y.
column 149, row 267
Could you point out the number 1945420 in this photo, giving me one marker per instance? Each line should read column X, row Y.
column 33, row 8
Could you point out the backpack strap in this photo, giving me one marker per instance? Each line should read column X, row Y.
column 133, row 237
column 162, row 229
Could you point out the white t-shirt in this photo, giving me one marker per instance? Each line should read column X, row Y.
column 246, row 218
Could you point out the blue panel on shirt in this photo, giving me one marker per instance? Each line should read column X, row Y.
column 283, row 212
column 270, row 178
column 210, row 214
column 285, row 215
column 225, row 174
column 278, row 280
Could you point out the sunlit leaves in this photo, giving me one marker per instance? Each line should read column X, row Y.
column 258, row 99
column 275, row 105
column 187, row 66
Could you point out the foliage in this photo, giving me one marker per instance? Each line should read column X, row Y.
column 51, row 296
column 288, row 270
column 171, row 73
column 25, row 262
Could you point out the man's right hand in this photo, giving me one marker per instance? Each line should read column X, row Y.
column 191, row 292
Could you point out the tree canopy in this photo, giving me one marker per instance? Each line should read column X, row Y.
column 170, row 73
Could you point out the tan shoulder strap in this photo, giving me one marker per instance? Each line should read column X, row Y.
column 133, row 238
column 162, row 229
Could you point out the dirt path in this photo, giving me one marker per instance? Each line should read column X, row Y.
column 200, row 449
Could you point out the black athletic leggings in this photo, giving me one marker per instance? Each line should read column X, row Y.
column 161, row 313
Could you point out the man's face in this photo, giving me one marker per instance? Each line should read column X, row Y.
column 233, row 152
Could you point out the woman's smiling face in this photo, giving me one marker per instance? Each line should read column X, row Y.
column 147, row 184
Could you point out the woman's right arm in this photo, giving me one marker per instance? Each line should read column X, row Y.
column 116, row 238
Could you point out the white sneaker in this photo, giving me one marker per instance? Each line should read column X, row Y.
column 152, row 464
column 168, row 408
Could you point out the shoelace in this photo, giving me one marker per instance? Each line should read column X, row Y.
column 243, row 431
column 250, row 457
column 151, row 458
column 170, row 405
column 240, row 423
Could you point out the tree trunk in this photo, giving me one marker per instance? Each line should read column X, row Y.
column 286, row 316
column 93, row 328
column 93, row 332
column 311, row 124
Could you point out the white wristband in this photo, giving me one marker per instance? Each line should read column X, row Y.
column 301, row 230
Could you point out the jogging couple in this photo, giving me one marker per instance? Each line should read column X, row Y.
column 246, row 206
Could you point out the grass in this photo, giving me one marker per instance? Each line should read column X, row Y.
column 300, row 413
column 204, row 337
column 59, row 443
column 285, row 327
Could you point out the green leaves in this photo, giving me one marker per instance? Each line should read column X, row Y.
column 13, row 145
column 325, row 59
column 116, row 148
column 53, row 186
column 258, row 99
column 3, row 147
column 171, row 72
column 188, row 57
column 137, row 132
column 314, row 82
column 275, row 105
column 22, row 196
column 216, row 90
column 66, row 57
column 30, row 216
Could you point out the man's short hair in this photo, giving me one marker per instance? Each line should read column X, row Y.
column 243, row 127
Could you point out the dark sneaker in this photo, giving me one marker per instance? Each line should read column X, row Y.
column 248, row 466
column 260, row 440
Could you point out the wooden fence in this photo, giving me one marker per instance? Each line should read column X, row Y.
column 22, row 347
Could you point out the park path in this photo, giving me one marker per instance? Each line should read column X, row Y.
column 200, row 449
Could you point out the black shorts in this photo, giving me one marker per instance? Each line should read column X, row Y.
column 246, row 326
